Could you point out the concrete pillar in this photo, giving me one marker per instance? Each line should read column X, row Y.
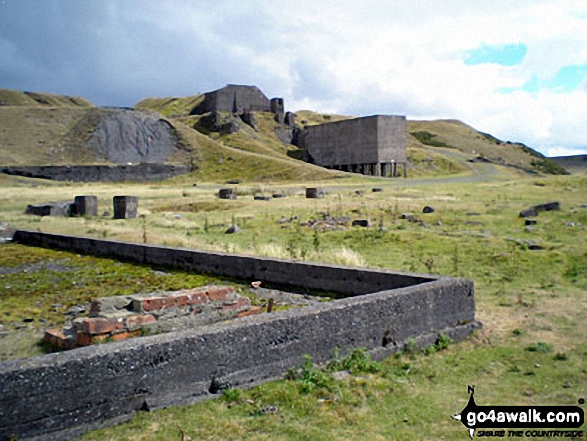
column 125, row 207
column 384, row 169
column 85, row 206
column 405, row 169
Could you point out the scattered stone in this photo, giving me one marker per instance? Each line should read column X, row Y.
column 277, row 195
column 50, row 209
column 570, row 224
column 268, row 409
column 106, row 214
column 428, row 209
column 529, row 228
column 194, row 184
column 438, row 223
column 531, row 222
column 75, row 310
column 233, row 229
column 535, row 247
column 533, row 211
column 125, row 207
column 28, row 320
column 472, row 213
column 548, row 206
column 341, row 375
column 314, row 193
column 376, row 190
column 233, row 181
column 528, row 212
column 360, row 223
column 226, row 193
column 359, row 192
column 473, row 223
column 406, row 216
column 262, row 198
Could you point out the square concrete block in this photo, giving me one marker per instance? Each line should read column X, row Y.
column 85, row 206
column 226, row 193
column 125, row 207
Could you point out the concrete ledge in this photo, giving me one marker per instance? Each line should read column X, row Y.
column 65, row 394
column 100, row 173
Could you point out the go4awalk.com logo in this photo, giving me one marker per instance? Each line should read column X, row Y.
column 521, row 421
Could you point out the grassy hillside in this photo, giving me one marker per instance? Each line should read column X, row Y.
column 453, row 134
column 576, row 164
column 37, row 99
column 171, row 107
column 45, row 129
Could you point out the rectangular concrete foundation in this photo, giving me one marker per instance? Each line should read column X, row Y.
column 68, row 393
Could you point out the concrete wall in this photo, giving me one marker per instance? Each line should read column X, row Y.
column 65, row 394
column 368, row 140
column 391, row 138
column 100, row 173
column 234, row 98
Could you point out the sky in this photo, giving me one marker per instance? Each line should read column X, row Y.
column 514, row 68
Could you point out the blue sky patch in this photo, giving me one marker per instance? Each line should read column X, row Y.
column 504, row 55
column 567, row 79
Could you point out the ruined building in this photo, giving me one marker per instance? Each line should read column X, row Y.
column 373, row 145
column 234, row 98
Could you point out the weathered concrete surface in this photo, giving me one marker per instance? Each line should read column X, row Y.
column 66, row 394
column 85, row 206
column 234, row 98
column 125, row 207
column 369, row 140
column 100, row 173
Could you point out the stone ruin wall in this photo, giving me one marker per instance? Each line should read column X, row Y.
column 234, row 98
column 100, row 173
column 62, row 395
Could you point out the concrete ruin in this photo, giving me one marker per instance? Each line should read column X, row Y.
column 125, row 207
column 100, row 173
column 62, row 395
column 121, row 317
column 373, row 145
column 237, row 98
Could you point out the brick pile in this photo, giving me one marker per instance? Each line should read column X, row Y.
column 121, row 317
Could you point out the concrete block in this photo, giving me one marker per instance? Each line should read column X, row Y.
column 125, row 207
column 85, row 206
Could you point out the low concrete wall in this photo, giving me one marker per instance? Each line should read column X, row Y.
column 67, row 393
column 100, row 173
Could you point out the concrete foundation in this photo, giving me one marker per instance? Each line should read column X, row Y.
column 60, row 396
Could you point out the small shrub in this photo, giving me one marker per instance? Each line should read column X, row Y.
column 440, row 344
column 559, row 356
column 311, row 378
column 356, row 361
column 231, row 394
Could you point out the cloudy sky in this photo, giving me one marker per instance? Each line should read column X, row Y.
column 515, row 69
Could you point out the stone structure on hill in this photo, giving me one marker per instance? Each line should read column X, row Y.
column 373, row 145
column 237, row 98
